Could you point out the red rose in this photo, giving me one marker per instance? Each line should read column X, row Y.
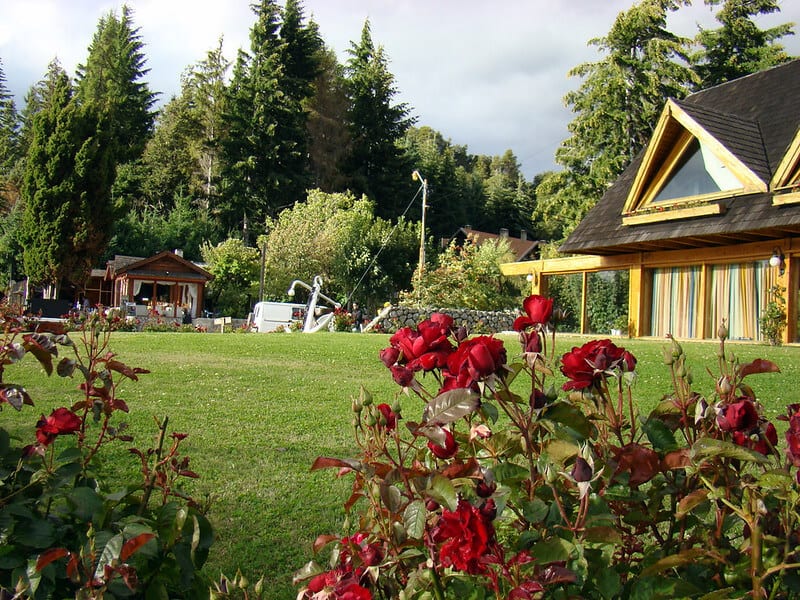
column 465, row 535
column 480, row 356
column 738, row 416
column 586, row 365
column 531, row 341
column 352, row 591
column 792, row 434
column 446, row 450
column 388, row 415
column 60, row 421
column 389, row 356
column 538, row 311
column 403, row 376
column 425, row 349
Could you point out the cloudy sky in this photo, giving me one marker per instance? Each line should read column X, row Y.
column 490, row 75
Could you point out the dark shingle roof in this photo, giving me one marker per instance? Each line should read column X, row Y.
column 756, row 118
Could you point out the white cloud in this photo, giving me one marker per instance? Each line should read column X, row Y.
column 489, row 75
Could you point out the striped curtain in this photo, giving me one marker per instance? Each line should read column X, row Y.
column 739, row 293
column 676, row 302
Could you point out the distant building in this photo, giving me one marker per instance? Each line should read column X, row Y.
column 522, row 247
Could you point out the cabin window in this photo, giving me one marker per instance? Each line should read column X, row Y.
column 697, row 172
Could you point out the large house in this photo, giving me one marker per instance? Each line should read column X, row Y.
column 706, row 219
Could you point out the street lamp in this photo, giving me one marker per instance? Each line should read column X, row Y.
column 416, row 176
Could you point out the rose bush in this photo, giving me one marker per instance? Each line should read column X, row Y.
column 505, row 486
column 64, row 532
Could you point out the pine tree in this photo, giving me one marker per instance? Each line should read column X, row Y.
column 67, row 215
column 376, row 167
column 205, row 94
column 265, row 146
column 111, row 80
column 739, row 47
column 616, row 107
column 9, row 131
column 329, row 137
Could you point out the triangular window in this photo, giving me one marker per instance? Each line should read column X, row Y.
column 684, row 172
column 786, row 182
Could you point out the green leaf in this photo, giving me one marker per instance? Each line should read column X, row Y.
column 569, row 416
column 451, row 406
column 660, row 436
column 705, row 448
column 775, row 479
column 603, row 535
column 443, row 491
column 552, row 550
column 85, row 503
column 690, row 501
column 680, row 559
column 110, row 553
column 36, row 534
column 508, row 473
column 535, row 511
column 608, row 583
column 560, row 450
column 306, row 572
column 390, row 496
column 414, row 518
column 156, row 591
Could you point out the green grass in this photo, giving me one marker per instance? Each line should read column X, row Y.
column 260, row 408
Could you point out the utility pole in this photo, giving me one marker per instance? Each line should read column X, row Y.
column 417, row 176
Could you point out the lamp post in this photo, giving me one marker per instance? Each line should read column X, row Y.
column 417, row 176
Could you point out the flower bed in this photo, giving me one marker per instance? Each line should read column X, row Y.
column 489, row 492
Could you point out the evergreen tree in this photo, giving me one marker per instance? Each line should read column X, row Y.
column 329, row 137
column 739, row 47
column 9, row 131
column 111, row 80
column 67, row 214
column 376, row 166
column 265, row 168
column 37, row 99
column 449, row 206
column 205, row 94
column 616, row 107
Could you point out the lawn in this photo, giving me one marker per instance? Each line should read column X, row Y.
column 259, row 408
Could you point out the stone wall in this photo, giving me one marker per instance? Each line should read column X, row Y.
column 393, row 318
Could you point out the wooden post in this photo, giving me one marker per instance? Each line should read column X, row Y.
column 635, row 313
column 789, row 283
column 584, row 302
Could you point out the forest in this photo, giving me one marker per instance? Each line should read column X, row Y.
column 286, row 163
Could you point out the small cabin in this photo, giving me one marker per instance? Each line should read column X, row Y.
column 165, row 284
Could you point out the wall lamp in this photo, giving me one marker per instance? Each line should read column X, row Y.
column 778, row 260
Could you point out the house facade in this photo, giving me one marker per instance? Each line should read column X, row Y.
column 165, row 284
column 706, row 219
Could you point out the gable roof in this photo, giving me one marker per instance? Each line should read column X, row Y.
column 522, row 247
column 156, row 266
column 754, row 118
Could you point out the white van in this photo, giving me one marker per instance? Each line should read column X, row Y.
column 270, row 316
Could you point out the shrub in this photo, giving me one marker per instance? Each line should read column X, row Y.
column 502, row 487
column 64, row 532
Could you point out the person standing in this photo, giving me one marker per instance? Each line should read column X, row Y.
column 358, row 318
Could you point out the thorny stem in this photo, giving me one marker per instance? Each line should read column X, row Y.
column 151, row 479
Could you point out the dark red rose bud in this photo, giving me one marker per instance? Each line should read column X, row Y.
column 449, row 448
column 485, row 489
column 582, row 470
column 389, row 356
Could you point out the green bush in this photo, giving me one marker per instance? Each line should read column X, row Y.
column 65, row 532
